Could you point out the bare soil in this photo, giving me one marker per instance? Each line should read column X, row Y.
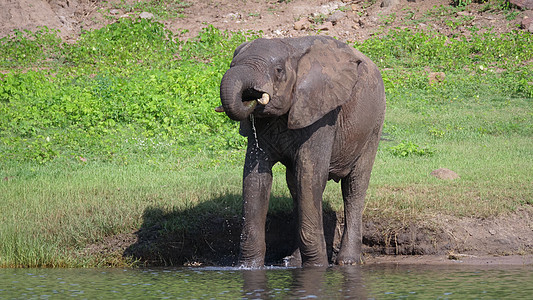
column 212, row 239
column 359, row 19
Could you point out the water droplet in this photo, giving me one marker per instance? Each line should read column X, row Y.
column 252, row 120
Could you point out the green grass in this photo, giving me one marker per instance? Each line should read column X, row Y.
column 99, row 135
column 161, row 9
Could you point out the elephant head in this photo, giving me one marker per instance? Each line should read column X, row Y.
column 305, row 77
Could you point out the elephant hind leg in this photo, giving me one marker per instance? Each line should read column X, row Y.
column 354, row 188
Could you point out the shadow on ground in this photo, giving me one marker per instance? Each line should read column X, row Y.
column 200, row 235
column 209, row 234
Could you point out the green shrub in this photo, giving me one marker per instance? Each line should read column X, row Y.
column 407, row 148
column 25, row 48
column 131, row 79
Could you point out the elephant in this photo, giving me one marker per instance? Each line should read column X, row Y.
column 317, row 106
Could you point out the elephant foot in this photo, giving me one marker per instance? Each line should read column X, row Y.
column 293, row 260
column 349, row 260
column 315, row 262
column 249, row 266
column 251, row 263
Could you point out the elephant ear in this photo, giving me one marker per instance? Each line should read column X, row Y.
column 240, row 48
column 327, row 73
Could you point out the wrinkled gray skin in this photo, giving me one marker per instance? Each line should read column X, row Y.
column 323, row 121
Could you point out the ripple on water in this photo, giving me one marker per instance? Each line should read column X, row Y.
column 270, row 282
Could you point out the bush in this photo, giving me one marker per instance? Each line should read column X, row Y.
column 131, row 79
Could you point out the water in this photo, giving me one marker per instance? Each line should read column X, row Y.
column 254, row 130
column 363, row 282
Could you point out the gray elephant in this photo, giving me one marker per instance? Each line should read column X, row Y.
column 317, row 106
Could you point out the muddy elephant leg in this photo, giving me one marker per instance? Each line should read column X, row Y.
column 257, row 183
column 354, row 188
column 312, row 244
column 311, row 172
column 295, row 259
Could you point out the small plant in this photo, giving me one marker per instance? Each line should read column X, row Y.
column 163, row 9
column 368, row 3
column 511, row 15
column 435, row 132
column 387, row 19
column 409, row 14
column 461, row 3
column 23, row 48
column 406, row 148
column 318, row 18
column 344, row 8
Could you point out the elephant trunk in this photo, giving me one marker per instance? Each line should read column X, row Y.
column 238, row 95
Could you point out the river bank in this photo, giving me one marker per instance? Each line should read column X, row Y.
column 505, row 239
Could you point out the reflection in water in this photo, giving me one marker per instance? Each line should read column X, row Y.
column 304, row 283
column 353, row 285
column 255, row 283
column 308, row 282
column 357, row 282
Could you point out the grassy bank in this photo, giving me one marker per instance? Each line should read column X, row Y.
column 95, row 134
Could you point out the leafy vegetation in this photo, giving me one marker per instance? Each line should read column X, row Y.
column 96, row 133
column 404, row 149
column 129, row 82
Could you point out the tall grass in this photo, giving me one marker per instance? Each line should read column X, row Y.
column 96, row 134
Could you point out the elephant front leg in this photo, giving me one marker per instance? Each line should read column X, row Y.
column 257, row 183
column 312, row 173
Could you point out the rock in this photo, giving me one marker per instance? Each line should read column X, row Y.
column 302, row 24
column 336, row 17
column 524, row 4
column 436, row 77
column 445, row 174
column 526, row 21
column 463, row 13
column 233, row 16
column 326, row 26
column 278, row 32
column 389, row 3
column 146, row 15
column 327, row 8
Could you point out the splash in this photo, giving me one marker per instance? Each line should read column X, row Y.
column 254, row 130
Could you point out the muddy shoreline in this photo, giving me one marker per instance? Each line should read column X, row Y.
column 214, row 241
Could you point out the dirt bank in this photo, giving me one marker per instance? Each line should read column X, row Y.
column 346, row 20
column 213, row 240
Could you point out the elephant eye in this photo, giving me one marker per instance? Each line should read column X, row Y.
column 279, row 71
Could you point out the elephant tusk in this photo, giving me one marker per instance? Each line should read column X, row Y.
column 219, row 109
column 264, row 99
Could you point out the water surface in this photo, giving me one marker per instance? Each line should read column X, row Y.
column 358, row 282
